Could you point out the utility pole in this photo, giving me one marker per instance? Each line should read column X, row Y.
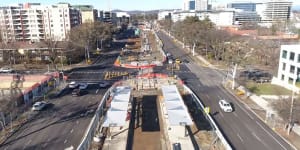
column 233, row 76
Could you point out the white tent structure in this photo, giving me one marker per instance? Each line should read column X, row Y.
column 176, row 109
column 116, row 115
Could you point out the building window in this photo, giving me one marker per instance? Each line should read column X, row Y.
column 283, row 66
column 51, row 25
column 292, row 69
column 67, row 25
column 282, row 77
column 291, row 80
column 298, row 58
column 284, row 54
column 60, row 15
column 292, row 56
column 61, row 25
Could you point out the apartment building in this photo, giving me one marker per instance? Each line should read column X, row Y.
column 21, row 24
column 289, row 66
column 34, row 22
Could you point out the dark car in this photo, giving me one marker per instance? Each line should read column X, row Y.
column 77, row 92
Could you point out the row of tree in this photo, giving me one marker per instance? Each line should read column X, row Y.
column 221, row 46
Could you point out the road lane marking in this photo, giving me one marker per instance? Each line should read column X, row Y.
column 270, row 135
column 65, row 141
column 235, row 114
column 97, row 91
column 219, row 97
column 221, row 114
column 240, row 138
column 259, row 139
column 71, row 131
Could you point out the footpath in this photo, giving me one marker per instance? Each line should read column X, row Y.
column 254, row 103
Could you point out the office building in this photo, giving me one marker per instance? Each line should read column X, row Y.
column 274, row 10
column 245, row 6
column 189, row 5
column 201, row 5
column 87, row 13
column 289, row 66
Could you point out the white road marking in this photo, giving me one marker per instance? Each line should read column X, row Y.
column 65, row 141
column 221, row 114
column 255, row 136
column 219, row 97
column 271, row 135
column 97, row 91
column 235, row 114
column 240, row 138
column 71, row 131
column 77, row 122
column 69, row 148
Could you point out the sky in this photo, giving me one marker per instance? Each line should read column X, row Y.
column 122, row 4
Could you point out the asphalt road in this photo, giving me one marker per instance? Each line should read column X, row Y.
column 59, row 126
column 243, row 129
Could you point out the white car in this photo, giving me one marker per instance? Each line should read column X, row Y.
column 6, row 70
column 225, row 106
column 73, row 85
column 39, row 106
column 83, row 86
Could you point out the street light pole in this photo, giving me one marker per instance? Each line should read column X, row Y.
column 292, row 106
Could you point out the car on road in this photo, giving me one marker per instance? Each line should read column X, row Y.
column 6, row 70
column 186, row 61
column 73, row 85
column 170, row 61
column 104, row 84
column 83, row 86
column 177, row 61
column 225, row 106
column 37, row 106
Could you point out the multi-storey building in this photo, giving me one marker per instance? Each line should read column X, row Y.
column 88, row 13
column 22, row 24
column 274, row 10
column 189, row 5
column 34, row 22
column 201, row 5
column 289, row 66
column 245, row 6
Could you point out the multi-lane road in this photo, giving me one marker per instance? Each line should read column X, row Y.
column 243, row 129
column 60, row 126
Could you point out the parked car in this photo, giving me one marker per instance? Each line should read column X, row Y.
column 83, row 86
column 225, row 106
column 73, row 85
column 104, row 84
column 170, row 61
column 6, row 70
column 77, row 92
column 39, row 106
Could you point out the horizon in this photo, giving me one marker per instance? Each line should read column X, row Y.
column 121, row 5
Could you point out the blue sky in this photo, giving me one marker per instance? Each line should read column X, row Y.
column 119, row 4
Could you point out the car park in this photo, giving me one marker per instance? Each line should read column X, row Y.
column 73, row 85
column 39, row 106
column 225, row 106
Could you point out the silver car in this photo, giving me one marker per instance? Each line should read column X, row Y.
column 39, row 106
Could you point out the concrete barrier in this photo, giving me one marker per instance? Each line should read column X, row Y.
column 219, row 133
